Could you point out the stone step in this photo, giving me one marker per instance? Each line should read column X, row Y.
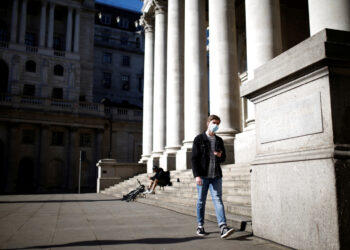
column 225, row 190
column 182, row 195
column 226, row 184
column 186, row 191
column 237, row 221
column 230, row 177
column 238, row 199
column 230, row 206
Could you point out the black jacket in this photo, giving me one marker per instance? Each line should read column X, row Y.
column 200, row 155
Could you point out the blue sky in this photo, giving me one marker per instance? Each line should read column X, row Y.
column 134, row 5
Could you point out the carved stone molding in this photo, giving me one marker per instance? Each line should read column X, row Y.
column 161, row 6
column 147, row 21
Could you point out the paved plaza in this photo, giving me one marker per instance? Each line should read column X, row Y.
column 94, row 221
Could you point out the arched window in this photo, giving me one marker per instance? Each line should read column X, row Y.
column 30, row 66
column 58, row 70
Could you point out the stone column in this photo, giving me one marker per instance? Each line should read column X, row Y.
column 23, row 24
column 69, row 29
column 42, row 24
column 51, row 26
column 160, row 45
column 224, row 83
column 329, row 14
column 264, row 42
column 263, row 28
column 196, row 79
column 147, row 130
column 14, row 21
column 175, row 84
column 76, row 31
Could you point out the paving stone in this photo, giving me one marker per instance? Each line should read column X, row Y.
column 99, row 222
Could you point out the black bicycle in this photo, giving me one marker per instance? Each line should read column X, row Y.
column 132, row 195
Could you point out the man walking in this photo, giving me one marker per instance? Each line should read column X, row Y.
column 208, row 152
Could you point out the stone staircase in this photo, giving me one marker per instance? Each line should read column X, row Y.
column 182, row 195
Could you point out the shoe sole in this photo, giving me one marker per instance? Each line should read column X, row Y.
column 228, row 233
column 201, row 235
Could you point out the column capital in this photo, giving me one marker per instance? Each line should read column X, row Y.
column 161, row 6
column 147, row 21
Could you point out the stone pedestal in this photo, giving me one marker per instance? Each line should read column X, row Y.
column 300, row 176
column 168, row 160
column 183, row 157
column 245, row 146
column 153, row 161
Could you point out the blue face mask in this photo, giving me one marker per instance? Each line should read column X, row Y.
column 213, row 127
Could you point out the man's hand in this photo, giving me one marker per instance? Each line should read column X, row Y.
column 218, row 154
column 199, row 181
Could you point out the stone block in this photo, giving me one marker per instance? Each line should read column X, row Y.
column 300, row 174
column 245, row 146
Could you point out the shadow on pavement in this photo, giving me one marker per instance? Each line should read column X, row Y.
column 115, row 242
column 56, row 201
column 242, row 237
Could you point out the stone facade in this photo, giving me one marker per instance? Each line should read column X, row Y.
column 278, row 79
column 47, row 113
column 118, row 60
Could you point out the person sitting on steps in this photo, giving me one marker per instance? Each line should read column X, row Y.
column 159, row 172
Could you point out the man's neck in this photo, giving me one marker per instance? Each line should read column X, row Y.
column 208, row 132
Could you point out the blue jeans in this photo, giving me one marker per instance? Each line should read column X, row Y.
column 215, row 186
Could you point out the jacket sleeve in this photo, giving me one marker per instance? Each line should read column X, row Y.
column 196, row 157
column 222, row 149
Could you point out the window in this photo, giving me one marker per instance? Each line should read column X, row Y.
column 125, row 82
column 126, row 61
column 85, row 140
column 123, row 23
column 30, row 39
column 105, row 18
column 28, row 136
column 58, row 70
column 30, row 66
column 57, row 43
column 107, row 80
column 29, row 90
column 57, row 93
column 57, row 138
column 107, row 58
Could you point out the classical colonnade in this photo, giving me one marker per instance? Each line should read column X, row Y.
column 177, row 97
column 45, row 42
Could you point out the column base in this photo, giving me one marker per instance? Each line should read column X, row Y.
column 229, row 139
column 245, row 145
column 183, row 157
column 153, row 161
column 144, row 158
column 168, row 159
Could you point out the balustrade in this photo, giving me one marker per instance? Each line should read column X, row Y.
column 97, row 109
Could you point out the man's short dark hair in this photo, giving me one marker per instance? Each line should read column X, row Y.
column 213, row 117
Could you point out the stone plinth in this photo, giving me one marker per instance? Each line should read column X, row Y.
column 301, row 172
column 110, row 172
